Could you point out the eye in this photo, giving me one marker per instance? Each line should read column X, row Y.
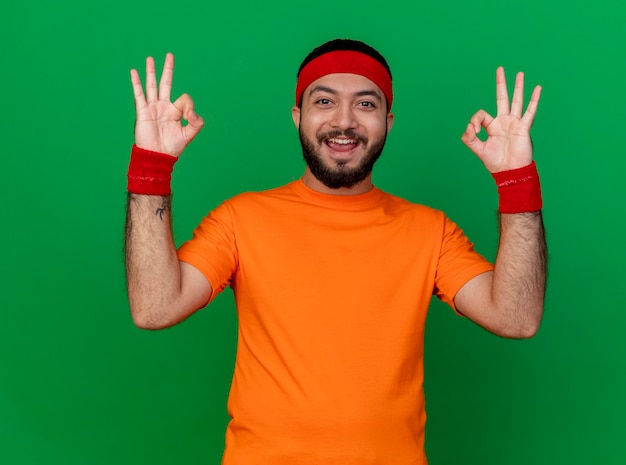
column 323, row 101
column 367, row 104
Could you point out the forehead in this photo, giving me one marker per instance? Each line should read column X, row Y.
column 344, row 83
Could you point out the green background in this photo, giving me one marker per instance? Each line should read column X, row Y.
column 79, row 384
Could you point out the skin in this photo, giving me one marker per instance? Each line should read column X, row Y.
column 163, row 291
column 342, row 102
column 508, row 301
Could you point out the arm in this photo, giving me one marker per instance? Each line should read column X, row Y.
column 508, row 301
column 161, row 290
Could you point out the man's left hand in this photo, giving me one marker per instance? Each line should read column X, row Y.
column 508, row 145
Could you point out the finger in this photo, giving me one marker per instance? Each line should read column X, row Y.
column 531, row 111
column 195, row 123
column 165, row 84
column 140, row 99
column 184, row 104
column 517, row 105
column 480, row 119
column 151, row 86
column 502, row 95
column 471, row 141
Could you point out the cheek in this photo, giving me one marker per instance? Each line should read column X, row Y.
column 310, row 125
column 377, row 127
column 312, row 120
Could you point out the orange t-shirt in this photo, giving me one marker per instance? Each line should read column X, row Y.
column 332, row 294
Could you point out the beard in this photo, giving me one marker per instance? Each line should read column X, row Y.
column 340, row 175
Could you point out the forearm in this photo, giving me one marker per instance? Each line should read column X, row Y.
column 509, row 300
column 161, row 290
column 153, row 272
column 519, row 278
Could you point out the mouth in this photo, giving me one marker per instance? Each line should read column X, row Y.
column 342, row 145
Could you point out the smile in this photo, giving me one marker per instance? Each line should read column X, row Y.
column 343, row 141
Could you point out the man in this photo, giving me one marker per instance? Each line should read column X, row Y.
column 332, row 277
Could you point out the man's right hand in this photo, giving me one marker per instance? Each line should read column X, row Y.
column 159, row 122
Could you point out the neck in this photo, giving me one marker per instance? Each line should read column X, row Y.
column 313, row 183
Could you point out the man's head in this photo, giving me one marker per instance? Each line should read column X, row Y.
column 343, row 97
column 345, row 56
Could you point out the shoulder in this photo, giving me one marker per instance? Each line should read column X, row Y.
column 255, row 197
column 259, row 204
column 399, row 205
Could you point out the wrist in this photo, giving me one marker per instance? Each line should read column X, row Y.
column 149, row 172
column 519, row 189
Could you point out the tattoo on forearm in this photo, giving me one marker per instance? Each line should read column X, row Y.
column 161, row 211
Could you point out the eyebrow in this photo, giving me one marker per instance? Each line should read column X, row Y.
column 361, row 93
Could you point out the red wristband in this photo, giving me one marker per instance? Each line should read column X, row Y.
column 150, row 173
column 519, row 189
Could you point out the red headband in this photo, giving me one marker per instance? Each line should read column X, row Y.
column 345, row 61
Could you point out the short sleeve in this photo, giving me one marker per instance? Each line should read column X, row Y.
column 458, row 263
column 213, row 249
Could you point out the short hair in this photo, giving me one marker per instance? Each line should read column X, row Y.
column 345, row 44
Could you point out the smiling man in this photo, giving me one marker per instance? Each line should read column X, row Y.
column 347, row 114
column 332, row 277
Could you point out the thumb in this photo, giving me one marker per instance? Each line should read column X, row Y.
column 184, row 104
column 471, row 141
column 194, row 124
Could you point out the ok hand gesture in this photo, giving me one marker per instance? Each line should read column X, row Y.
column 508, row 145
column 159, row 122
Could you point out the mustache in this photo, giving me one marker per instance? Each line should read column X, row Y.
column 348, row 133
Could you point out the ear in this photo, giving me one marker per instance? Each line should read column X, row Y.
column 389, row 122
column 295, row 115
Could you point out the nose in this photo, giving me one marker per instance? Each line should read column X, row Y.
column 344, row 117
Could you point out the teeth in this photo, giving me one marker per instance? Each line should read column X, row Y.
column 343, row 141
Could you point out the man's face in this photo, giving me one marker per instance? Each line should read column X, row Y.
column 343, row 123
